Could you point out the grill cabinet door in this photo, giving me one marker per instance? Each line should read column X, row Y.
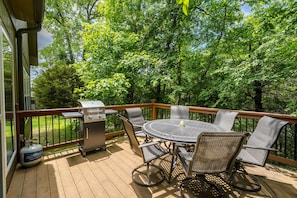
column 94, row 136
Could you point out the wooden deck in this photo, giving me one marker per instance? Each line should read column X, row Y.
column 108, row 174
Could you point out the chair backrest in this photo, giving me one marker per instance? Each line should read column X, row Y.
column 264, row 136
column 128, row 127
column 135, row 116
column 225, row 119
column 216, row 152
column 179, row 112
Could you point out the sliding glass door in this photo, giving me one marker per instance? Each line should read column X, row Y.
column 9, row 104
column 2, row 135
column 7, row 118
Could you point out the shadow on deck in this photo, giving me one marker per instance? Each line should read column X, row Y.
column 108, row 174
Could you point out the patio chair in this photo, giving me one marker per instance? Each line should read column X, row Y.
column 149, row 151
column 214, row 153
column 225, row 119
column 136, row 118
column 256, row 150
column 179, row 112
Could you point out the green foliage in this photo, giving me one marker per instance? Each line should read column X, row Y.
column 211, row 54
column 55, row 87
column 109, row 90
column 64, row 19
column 185, row 6
column 144, row 73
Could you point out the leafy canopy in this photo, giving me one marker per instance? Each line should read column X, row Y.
column 209, row 53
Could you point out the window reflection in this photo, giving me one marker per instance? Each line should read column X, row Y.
column 8, row 86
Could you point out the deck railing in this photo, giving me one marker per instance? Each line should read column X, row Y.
column 52, row 130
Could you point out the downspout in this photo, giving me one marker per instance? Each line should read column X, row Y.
column 19, row 36
column 38, row 16
column 20, row 70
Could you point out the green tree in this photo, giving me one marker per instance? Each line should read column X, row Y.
column 259, row 67
column 132, row 39
column 64, row 19
column 111, row 90
column 211, row 54
column 56, row 86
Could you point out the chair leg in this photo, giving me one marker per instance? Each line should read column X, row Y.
column 248, row 182
column 202, row 188
column 183, row 183
column 168, row 146
column 147, row 174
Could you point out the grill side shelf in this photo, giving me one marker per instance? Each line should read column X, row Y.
column 72, row 115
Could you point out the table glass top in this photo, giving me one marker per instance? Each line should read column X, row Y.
column 178, row 130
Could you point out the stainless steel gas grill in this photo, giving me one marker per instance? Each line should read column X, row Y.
column 93, row 126
column 92, row 122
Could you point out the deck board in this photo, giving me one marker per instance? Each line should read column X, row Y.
column 68, row 183
column 108, row 174
column 90, row 177
column 30, row 183
column 55, row 181
column 42, row 182
column 16, row 186
column 103, row 177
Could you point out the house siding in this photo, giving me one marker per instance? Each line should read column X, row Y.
column 10, row 25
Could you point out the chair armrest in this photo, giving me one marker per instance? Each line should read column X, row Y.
column 260, row 148
column 147, row 144
column 185, row 154
column 136, row 132
column 136, row 125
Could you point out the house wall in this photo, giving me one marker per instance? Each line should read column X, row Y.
column 9, row 24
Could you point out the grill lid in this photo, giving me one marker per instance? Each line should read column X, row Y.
column 93, row 111
column 91, row 104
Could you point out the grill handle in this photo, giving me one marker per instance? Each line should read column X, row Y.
column 87, row 133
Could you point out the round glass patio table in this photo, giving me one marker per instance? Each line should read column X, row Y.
column 179, row 130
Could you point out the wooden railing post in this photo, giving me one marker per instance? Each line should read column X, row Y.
column 154, row 109
column 295, row 142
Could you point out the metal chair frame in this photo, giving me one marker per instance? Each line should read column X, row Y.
column 136, row 118
column 149, row 151
column 215, row 153
column 225, row 119
column 257, row 149
column 179, row 112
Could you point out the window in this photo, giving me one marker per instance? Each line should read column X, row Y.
column 27, row 91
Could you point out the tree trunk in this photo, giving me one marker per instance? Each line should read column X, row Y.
column 258, row 96
column 179, row 76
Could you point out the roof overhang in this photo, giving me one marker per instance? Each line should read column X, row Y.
column 31, row 11
column 28, row 10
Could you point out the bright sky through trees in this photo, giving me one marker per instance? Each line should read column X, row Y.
column 213, row 57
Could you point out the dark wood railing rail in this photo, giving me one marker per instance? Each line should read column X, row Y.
column 53, row 130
